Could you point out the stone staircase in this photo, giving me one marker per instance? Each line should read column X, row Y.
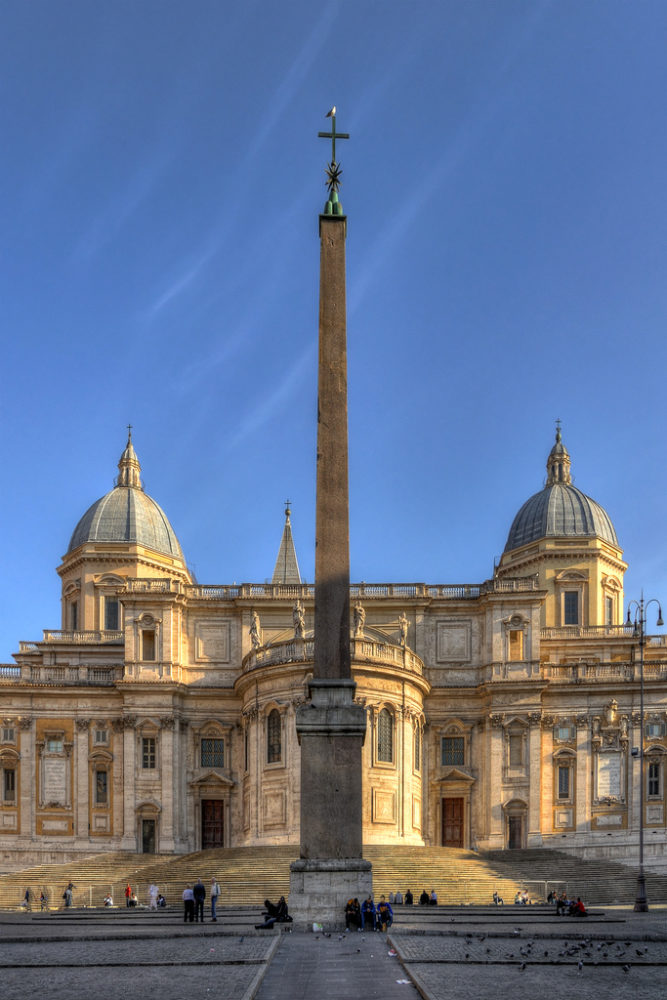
column 251, row 874
column 598, row 881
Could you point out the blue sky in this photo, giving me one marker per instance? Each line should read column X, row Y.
column 161, row 182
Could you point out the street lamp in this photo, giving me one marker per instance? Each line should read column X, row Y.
column 639, row 629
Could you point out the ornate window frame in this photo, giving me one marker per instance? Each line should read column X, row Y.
column 569, row 581
column 384, row 711
column 516, row 634
column 274, row 757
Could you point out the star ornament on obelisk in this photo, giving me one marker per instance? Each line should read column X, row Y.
column 331, row 726
column 333, row 169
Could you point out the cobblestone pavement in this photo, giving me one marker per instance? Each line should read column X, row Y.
column 71, row 958
column 79, row 955
column 627, row 953
column 340, row 967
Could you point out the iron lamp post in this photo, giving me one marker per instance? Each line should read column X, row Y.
column 639, row 629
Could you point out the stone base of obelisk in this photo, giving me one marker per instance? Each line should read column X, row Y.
column 320, row 888
column 331, row 870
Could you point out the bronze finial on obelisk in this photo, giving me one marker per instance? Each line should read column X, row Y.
column 331, row 727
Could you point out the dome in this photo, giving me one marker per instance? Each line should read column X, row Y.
column 127, row 514
column 560, row 509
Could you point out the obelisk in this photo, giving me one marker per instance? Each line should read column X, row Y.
column 331, row 727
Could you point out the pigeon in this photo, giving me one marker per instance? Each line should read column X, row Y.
column 626, row 968
column 580, row 965
column 522, row 967
column 331, row 114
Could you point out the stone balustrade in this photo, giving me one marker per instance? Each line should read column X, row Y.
column 614, row 672
column 81, row 637
column 61, row 675
column 587, row 631
column 361, row 651
column 306, row 591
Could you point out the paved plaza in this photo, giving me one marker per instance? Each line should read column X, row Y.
column 439, row 954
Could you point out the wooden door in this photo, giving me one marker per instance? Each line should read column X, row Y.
column 452, row 822
column 212, row 824
column 515, row 832
column 148, row 836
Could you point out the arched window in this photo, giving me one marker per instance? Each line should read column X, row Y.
column 273, row 737
column 385, row 736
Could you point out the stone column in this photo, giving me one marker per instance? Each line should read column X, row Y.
column 534, row 833
column 28, row 782
column 129, row 842
column 331, row 727
column 166, row 831
column 81, row 781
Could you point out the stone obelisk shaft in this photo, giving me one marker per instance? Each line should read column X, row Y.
column 332, row 533
column 331, row 727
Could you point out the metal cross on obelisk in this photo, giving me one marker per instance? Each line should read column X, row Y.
column 333, row 170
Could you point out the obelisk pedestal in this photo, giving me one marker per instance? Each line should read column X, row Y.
column 331, row 727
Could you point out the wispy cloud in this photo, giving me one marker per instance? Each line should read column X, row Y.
column 276, row 402
column 293, row 80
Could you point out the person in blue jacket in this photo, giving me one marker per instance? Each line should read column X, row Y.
column 368, row 914
column 385, row 914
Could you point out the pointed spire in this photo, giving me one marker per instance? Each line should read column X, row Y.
column 558, row 462
column 287, row 566
column 129, row 470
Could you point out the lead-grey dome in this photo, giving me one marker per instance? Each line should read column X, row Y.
column 560, row 509
column 127, row 514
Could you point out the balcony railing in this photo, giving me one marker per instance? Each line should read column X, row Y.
column 623, row 670
column 62, row 676
column 361, row 651
column 588, row 632
column 79, row 637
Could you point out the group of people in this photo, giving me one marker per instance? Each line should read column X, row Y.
column 274, row 913
column 368, row 916
column 571, row 907
column 194, row 897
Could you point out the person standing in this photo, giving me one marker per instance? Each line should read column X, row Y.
column 128, row 894
column 199, row 892
column 153, row 893
column 215, row 892
column 188, row 904
column 68, row 894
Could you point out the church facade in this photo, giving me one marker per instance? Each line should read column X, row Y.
column 160, row 717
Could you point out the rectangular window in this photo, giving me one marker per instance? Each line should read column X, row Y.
column 8, row 734
column 111, row 614
column 101, row 736
column 54, row 745
column 516, row 645
column 571, row 607
column 101, row 791
column 564, row 781
column 9, row 785
column 516, row 750
column 418, row 748
column 148, row 644
column 654, row 780
column 212, row 753
column 609, row 610
column 74, row 615
column 564, row 733
column 452, row 750
column 654, row 730
column 246, row 749
column 148, row 753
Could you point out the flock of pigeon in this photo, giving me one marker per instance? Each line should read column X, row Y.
column 585, row 952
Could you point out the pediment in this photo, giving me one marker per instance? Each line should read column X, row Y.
column 212, row 778
column 454, row 774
